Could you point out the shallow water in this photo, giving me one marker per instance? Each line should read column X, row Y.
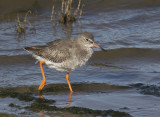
column 129, row 30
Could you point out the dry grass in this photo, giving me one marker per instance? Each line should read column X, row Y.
column 66, row 15
column 20, row 29
column 53, row 14
column 23, row 25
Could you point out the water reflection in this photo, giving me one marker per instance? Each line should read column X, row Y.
column 68, row 105
column 69, row 98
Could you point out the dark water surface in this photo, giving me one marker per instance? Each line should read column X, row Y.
column 129, row 30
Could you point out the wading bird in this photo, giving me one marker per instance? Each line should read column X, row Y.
column 64, row 55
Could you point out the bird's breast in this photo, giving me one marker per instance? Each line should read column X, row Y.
column 83, row 56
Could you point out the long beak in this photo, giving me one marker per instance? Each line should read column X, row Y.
column 97, row 46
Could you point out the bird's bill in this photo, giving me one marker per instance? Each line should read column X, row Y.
column 97, row 46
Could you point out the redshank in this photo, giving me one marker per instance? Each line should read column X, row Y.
column 64, row 55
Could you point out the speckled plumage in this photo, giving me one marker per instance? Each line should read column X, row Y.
column 65, row 55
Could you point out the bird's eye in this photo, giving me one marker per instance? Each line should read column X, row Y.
column 87, row 39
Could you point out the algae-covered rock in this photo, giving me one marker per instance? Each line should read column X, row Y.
column 150, row 90
column 11, row 93
column 147, row 89
column 39, row 103
column 35, row 106
column 6, row 115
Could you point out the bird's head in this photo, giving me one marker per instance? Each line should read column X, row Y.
column 87, row 39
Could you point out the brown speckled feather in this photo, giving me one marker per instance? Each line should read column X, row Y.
column 54, row 51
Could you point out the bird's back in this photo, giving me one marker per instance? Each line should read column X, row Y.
column 62, row 54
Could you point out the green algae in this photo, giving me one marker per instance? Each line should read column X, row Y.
column 29, row 94
column 6, row 115
column 80, row 110
column 86, row 87
column 11, row 93
column 77, row 110
column 39, row 105
column 126, row 108
column 26, row 96
column 137, row 85
column 15, row 106
column 83, row 87
column 147, row 89
column 150, row 90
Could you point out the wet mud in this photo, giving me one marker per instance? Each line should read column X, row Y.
column 39, row 103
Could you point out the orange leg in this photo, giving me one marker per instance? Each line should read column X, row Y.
column 67, row 78
column 44, row 79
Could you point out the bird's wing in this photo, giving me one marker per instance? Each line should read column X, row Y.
column 57, row 51
column 55, row 55
column 54, row 43
column 54, row 51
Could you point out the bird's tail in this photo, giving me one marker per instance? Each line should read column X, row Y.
column 34, row 49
